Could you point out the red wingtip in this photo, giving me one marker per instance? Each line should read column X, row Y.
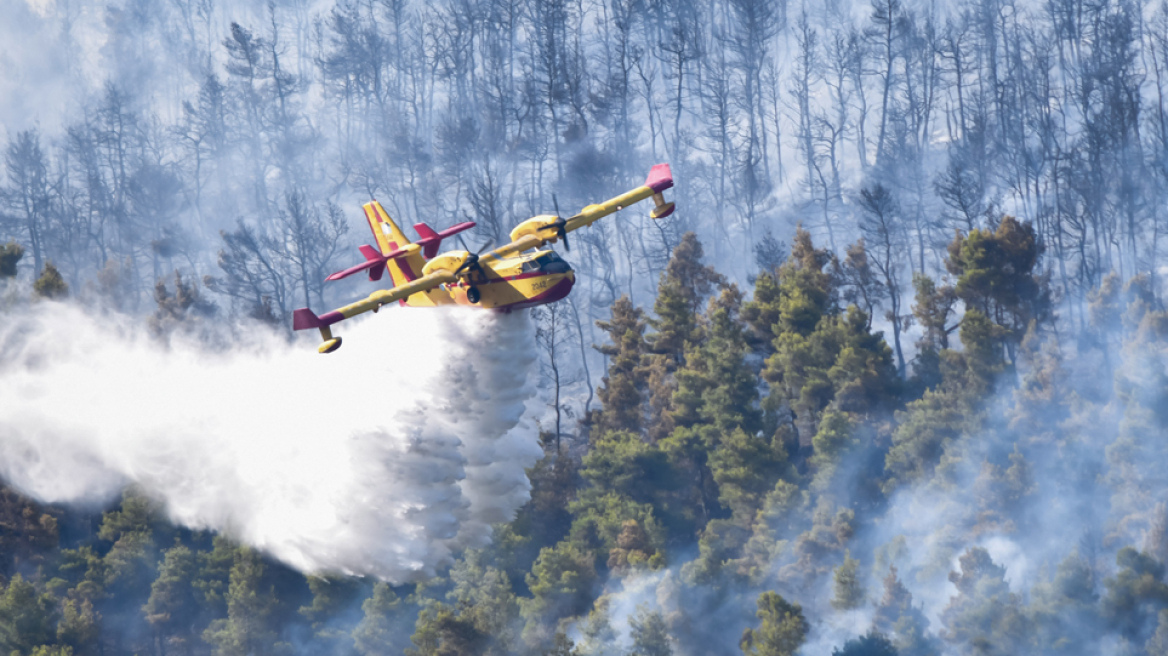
column 660, row 178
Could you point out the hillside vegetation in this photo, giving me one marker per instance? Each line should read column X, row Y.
column 744, row 485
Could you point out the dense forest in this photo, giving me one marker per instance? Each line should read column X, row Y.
column 890, row 381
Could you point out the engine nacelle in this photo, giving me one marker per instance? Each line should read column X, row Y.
column 449, row 261
column 536, row 225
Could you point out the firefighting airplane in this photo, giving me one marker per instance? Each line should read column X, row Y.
column 505, row 279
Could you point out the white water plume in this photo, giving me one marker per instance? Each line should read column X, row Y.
column 378, row 459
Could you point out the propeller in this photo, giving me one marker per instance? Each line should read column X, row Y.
column 472, row 258
column 559, row 224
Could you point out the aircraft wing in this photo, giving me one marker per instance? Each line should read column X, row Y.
column 660, row 178
column 524, row 243
column 537, row 231
column 304, row 318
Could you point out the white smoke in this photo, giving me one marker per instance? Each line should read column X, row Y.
column 379, row 459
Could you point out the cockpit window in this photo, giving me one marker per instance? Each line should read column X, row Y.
column 547, row 263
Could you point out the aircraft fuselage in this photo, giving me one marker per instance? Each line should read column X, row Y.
column 514, row 283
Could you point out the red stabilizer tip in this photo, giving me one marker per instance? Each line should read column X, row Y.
column 303, row 319
column 660, row 178
column 425, row 231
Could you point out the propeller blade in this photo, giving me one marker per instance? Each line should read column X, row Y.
column 490, row 243
column 472, row 260
column 561, row 233
column 559, row 224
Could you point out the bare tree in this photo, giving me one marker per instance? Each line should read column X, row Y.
column 552, row 333
column 878, row 225
column 28, row 193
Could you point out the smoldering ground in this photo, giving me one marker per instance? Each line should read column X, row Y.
column 379, row 459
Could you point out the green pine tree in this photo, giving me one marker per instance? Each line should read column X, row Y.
column 562, row 582
column 598, row 638
column 484, row 597
column 782, row 628
column 10, row 255
column 248, row 629
column 985, row 612
column 849, row 590
column 996, row 276
column 715, row 386
column 1135, row 595
column 331, row 596
column 50, row 284
column 173, row 602
column 649, row 632
column 27, row 618
column 80, row 627
column 762, row 313
column 684, row 287
column 378, row 632
column 440, row 631
column 873, row 643
column 622, row 389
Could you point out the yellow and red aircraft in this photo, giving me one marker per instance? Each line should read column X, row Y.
column 513, row 276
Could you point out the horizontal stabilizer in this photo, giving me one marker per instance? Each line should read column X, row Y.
column 303, row 319
column 372, row 255
column 430, row 241
column 425, row 231
column 374, row 263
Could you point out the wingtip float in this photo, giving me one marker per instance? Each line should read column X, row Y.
column 517, row 275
